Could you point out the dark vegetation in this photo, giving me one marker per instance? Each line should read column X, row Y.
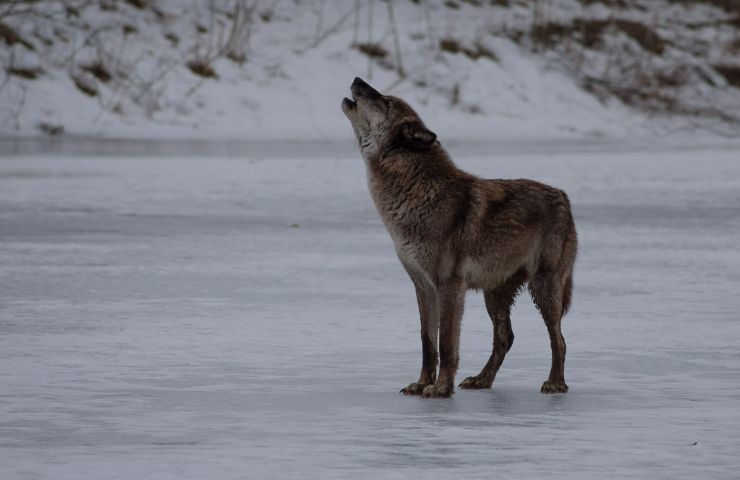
column 202, row 69
column 372, row 50
column 11, row 37
column 85, row 85
column 731, row 73
column 590, row 33
column 475, row 52
column 636, row 61
column 25, row 72
column 98, row 70
column 50, row 128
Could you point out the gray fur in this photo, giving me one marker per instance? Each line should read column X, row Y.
column 454, row 231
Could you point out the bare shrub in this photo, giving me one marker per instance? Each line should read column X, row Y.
column 672, row 77
column 608, row 3
column 173, row 38
column 85, row 83
column 98, row 70
column 731, row 73
column 642, row 34
column 202, row 68
column 734, row 46
column 450, row 45
column 28, row 73
column 140, row 4
column 589, row 32
column 237, row 41
column 129, row 29
column 50, row 129
column 372, row 50
column 727, row 5
column 12, row 37
column 475, row 52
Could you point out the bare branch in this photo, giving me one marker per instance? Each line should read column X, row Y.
column 396, row 41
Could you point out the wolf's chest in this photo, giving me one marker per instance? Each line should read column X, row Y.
column 407, row 218
column 408, row 232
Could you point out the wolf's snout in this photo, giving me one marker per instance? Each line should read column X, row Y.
column 360, row 88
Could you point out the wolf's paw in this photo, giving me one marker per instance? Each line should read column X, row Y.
column 554, row 387
column 437, row 391
column 476, row 382
column 413, row 389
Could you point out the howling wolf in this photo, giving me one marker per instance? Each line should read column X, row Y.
column 454, row 231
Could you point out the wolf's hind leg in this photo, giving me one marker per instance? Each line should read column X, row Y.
column 551, row 294
column 498, row 304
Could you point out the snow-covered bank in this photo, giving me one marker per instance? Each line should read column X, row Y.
column 279, row 70
column 177, row 317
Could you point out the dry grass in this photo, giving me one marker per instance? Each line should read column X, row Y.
column 11, row 37
column 642, row 34
column 650, row 97
column 731, row 73
column 372, row 50
column 450, row 45
column 98, row 70
column 173, row 38
column 237, row 57
column 672, row 77
column 733, row 47
column 587, row 32
column 608, row 3
column 590, row 33
column 50, row 129
column 140, row 4
column 108, row 5
column 476, row 52
column 85, row 85
column 643, row 98
column 202, row 69
column 129, row 29
column 731, row 6
column 25, row 73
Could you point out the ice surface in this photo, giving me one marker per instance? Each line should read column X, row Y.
column 245, row 317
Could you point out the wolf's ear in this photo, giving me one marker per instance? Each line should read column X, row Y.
column 415, row 132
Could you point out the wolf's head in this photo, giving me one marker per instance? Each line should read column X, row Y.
column 381, row 121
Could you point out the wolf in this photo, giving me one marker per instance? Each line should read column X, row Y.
column 453, row 231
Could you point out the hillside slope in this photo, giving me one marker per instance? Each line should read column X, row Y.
column 278, row 69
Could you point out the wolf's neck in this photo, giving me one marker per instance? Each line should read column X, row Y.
column 370, row 145
column 414, row 177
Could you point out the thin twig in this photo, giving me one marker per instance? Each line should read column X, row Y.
column 396, row 41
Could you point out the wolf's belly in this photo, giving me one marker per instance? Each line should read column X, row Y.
column 487, row 273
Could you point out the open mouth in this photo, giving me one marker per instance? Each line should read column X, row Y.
column 348, row 104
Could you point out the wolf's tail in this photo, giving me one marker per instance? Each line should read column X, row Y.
column 567, row 293
column 570, row 250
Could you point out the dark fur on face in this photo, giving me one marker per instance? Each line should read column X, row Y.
column 381, row 122
column 454, row 231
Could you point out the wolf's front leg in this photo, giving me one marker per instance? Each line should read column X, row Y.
column 429, row 333
column 451, row 303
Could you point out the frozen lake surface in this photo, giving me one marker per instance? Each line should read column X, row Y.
column 246, row 317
